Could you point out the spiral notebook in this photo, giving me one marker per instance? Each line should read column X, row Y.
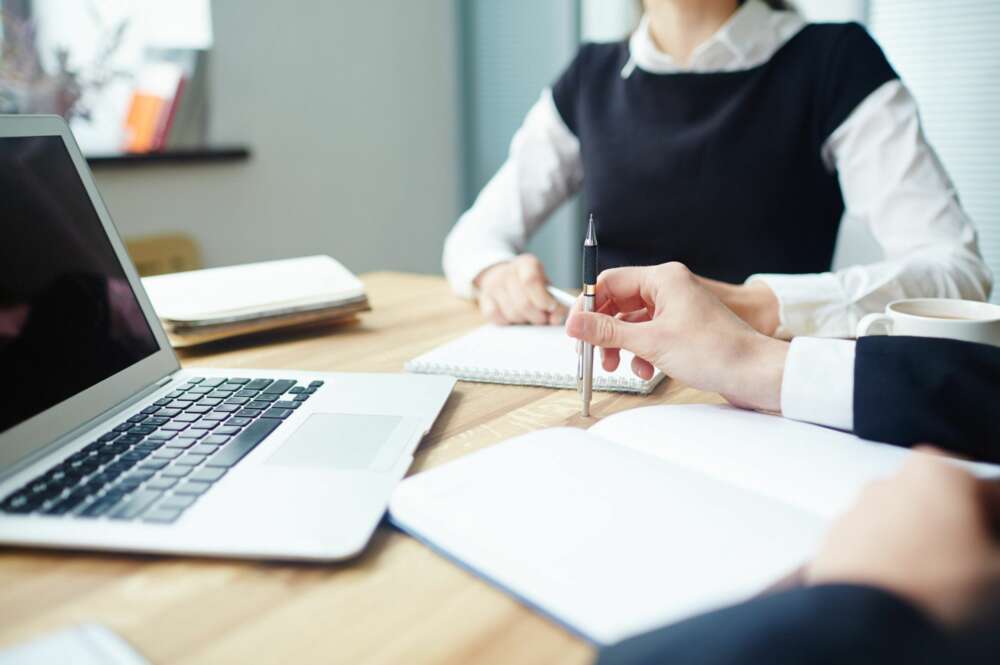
column 527, row 356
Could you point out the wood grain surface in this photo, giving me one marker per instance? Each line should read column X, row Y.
column 397, row 603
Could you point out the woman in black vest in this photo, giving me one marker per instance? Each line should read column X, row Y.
column 731, row 136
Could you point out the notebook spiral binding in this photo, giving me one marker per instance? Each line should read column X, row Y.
column 529, row 378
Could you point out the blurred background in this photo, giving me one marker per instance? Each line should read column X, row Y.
column 229, row 131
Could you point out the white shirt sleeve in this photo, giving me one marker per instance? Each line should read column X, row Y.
column 542, row 170
column 818, row 382
column 893, row 181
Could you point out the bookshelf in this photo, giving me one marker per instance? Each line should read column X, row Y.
column 205, row 155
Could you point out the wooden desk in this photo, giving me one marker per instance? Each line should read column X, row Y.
column 397, row 603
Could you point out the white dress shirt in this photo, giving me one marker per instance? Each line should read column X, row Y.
column 889, row 176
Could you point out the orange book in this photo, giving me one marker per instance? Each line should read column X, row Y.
column 143, row 121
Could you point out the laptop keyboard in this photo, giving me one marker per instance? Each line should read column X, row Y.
column 156, row 464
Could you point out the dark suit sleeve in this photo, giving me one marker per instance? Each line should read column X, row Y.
column 910, row 390
column 832, row 625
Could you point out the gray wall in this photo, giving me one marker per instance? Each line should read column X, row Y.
column 350, row 108
column 510, row 52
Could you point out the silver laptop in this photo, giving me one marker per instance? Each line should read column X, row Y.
column 106, row 443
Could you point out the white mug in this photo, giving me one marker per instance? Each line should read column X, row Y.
column 965, row 320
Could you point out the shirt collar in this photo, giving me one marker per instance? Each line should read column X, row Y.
column 749, row 38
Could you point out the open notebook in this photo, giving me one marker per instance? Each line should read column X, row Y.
column 648, row 517
column 524, row 355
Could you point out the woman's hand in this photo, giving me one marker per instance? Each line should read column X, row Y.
column 929, row 534
column 667, row 317
column 515, row 292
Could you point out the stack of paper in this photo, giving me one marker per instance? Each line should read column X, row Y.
column 205, row 305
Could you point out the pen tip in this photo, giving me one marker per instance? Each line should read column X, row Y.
column 591, row 231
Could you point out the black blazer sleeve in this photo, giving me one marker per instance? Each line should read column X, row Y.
column 910, row 390
column 834, row 624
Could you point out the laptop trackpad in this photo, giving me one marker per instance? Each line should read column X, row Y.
column 345, row 441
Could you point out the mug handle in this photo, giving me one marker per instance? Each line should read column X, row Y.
column 876, row 320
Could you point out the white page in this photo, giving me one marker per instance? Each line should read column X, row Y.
column 528, row 355
column 814, row 468
column 606, row 540
column 255, row 287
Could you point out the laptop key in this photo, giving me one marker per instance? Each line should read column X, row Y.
column 213, row 382
column 154, row 464
column 227, row 430
column 209, row 474
column 178, row 501
column 259, row 384
column 161, row 436
column 174, row 426
column 192, row 487
column 100, row 506
column 161, row 484
column 181, row 443
column 192, row 434
column 281, row 414
column 135, row 504
column 161, row 515
column 202, row 449
column 198, row 409
column 243, row 443
column 190, row 459
column 195, row 380
column 315, row 384
column 168, row 453
column 186, row 418
column 279, row 386
column 215, row 439
column 285, row 404
column 176, row 472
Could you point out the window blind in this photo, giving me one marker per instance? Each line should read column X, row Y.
column 948, row 53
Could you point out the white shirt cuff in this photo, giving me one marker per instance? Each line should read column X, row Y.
column 809, row 304
column 818, row 382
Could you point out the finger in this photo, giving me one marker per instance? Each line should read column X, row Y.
column 642, row 368
column 558, row 317
column 507, row 310
column 491, row 312
column 627, row 288
column 610, row 359
column 524, row 309
column 638, row 316
column 531, row 274
column 606, row 331
column 540, row 297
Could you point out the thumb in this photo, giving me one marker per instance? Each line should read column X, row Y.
column 604, row 331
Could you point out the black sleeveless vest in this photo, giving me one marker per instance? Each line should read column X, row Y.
column 721, row 171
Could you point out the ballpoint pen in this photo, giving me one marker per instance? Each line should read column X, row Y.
column 585, row 366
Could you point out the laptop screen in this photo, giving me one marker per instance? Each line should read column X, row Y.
column 68, row 316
